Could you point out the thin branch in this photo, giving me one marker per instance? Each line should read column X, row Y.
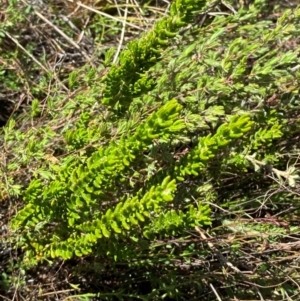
column 33, row 58
column 64, row 36
column 122, row 35
column 104, row 14
column 215, row 292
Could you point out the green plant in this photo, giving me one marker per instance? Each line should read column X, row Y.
column 127, row 79
column 205, row 132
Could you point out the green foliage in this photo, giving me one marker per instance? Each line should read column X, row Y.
column 206, row 128
column 78, row 188
column 127, row 79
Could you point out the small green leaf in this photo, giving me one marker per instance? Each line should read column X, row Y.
column 105, row 232
column 115, row 227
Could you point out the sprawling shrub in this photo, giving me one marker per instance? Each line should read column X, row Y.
column 198, row 125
